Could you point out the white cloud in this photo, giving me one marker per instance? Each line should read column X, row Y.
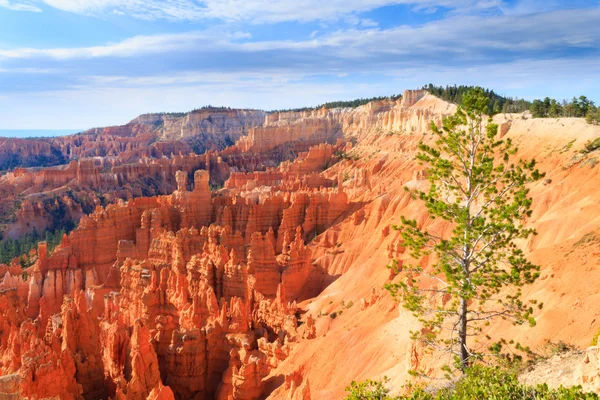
column 254, row 11
column 19, row 6
column 130, row 47
column 240, row 35
column 108, row 101
column 28, row 71
column 86, row 6
column 515, row 55
column 102, row 101
column 368, row 23
column 468, row 38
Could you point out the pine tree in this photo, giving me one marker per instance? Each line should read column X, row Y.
column 537, row 109
column 593, row 115
column 481, row 191
column 555, row 109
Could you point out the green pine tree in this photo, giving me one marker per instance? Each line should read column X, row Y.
column 476, row 185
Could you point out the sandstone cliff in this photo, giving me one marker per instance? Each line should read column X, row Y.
column 264, row 288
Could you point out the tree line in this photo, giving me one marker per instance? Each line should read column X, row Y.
column 578, row 107
column 183, row 114
column 11, row 248
column 342, row 103
column 496, row 102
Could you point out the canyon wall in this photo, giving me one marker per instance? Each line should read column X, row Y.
column 272, row 287
column 187, row 295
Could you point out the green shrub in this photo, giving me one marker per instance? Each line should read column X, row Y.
column 560, row 347
column 591, row 145
column 479, row 382
column 593, row 116
column 368, row 390
column 595, row 338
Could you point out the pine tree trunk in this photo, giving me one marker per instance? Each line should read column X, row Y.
column 462, row 335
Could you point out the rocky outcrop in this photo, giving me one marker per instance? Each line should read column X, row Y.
column 297, row 386
column 306, row 131
column 193, row 293
column 411, row 97
column 231, row 122
column 145, row 382
column 203, row 308
column 29, row 153
column 590, row 369
column 47, row 366
column 81, row 337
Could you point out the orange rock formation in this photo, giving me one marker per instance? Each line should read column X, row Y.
column 272, row 286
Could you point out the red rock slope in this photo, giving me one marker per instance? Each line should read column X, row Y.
column 272, row 286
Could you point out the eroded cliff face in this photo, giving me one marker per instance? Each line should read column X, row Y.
column 141, row 159
column 136, row 139
column 187, row 295
column 231, row 122
column 190, row 307
column 272, row 286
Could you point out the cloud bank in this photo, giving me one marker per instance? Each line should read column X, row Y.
column 256, row 11
column 507, row 48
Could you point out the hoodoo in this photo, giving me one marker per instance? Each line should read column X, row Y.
column 256, row 270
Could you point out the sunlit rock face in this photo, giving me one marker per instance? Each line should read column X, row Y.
column 256, row 270
column 193, row 293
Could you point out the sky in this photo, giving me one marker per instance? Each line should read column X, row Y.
column 77, row 64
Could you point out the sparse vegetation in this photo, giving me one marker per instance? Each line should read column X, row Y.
column 19, row 158
column 343, row 104
column 368, row 390
column 594, row 341
column 568, row 146
column 183, row 114
column 591, row 145
column 479, row 382
column 559, row 347
column 60, row 223
column 215, row 186
column 342, row 155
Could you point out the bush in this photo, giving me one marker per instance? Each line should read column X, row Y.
column 595, row 338
column 342, row 155
column 593, row 116
column 479, row 382
column 368, row 390
column 591, row 145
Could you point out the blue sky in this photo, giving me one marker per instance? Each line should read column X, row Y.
column 74, row 64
